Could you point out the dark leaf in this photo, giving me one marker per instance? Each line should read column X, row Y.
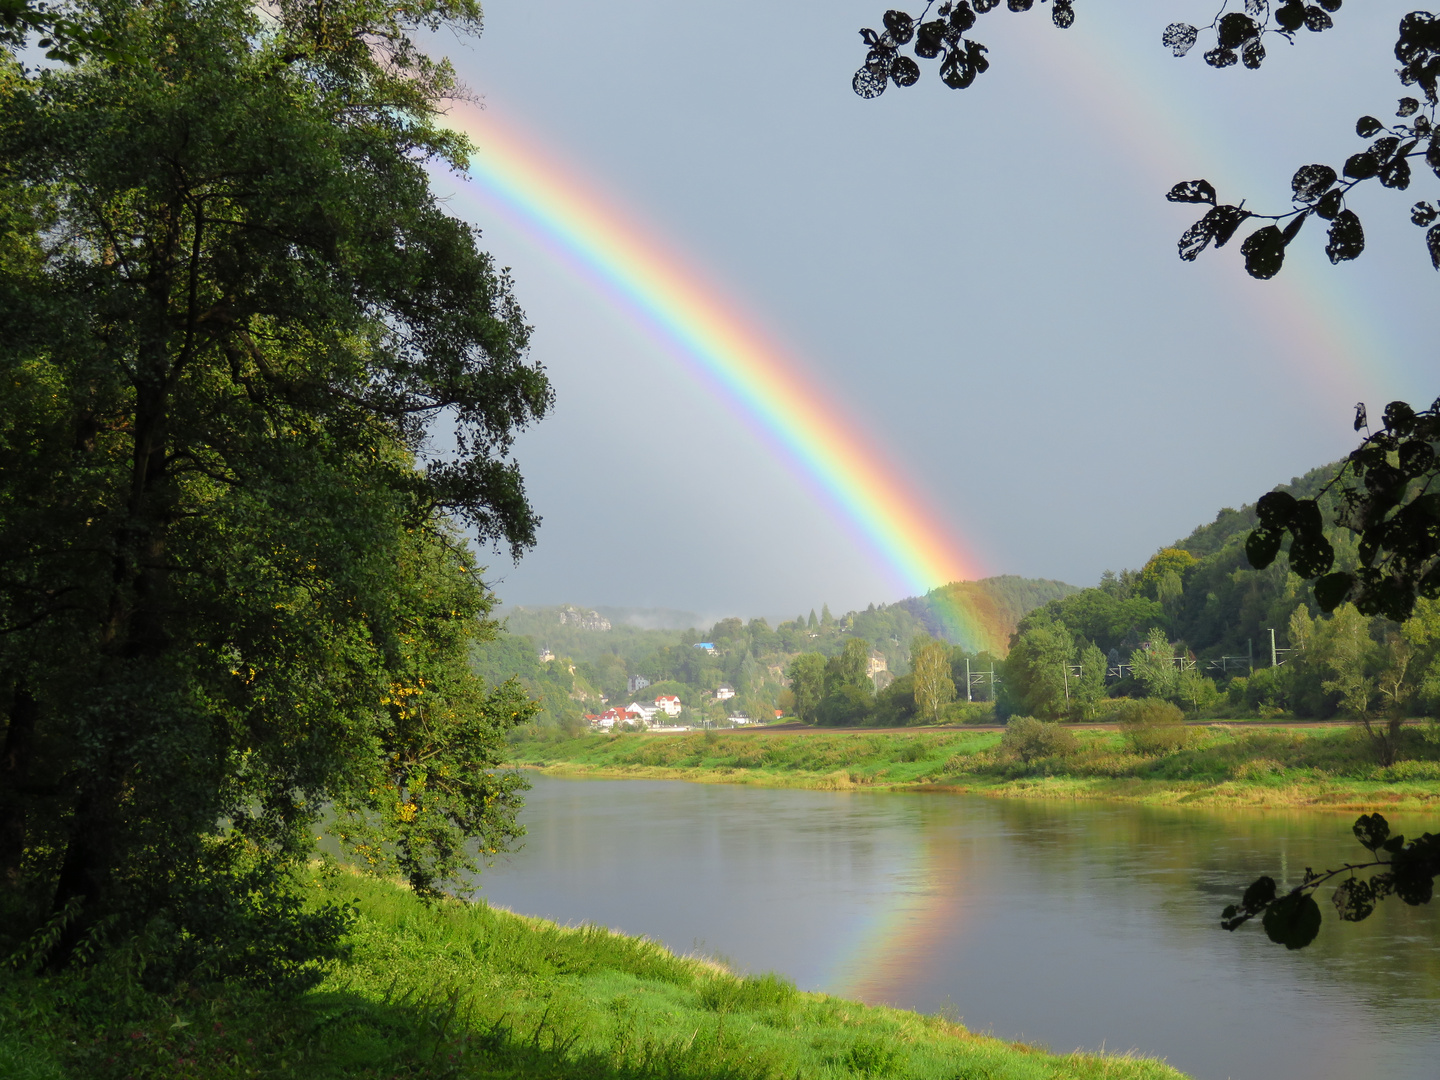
column 1413, row 884
column 1255, row 8
column 1408, row 107
column 1253, row 54
column 1292, row 921
column 1422, row 213
column 1227, row 220
column 1416, row 458
column 1371, row 830
column 1312, row 181
column 1260, row 893
column 1394, row 844
column 1331, row 590
column 1293, row 228
column 1361, row 166
column 1306, row 517
column 1195, row 191
column 1329, row 204
column 1275, row 509
column 1311, row 555
column 1221, row 58
column 1361, row 420
column 1354, row 900
column 984, row 6
column 905, row 71
column 1346, row 237
column 1063, row 14
column 900, row 25
column 962, row 17
column 1317, row 20
column 1020, row 5
column 1234, row 30
column 1330, row 5
column 1264, row 252
column 1261, row 547
column 930, row 39
column 1396, row 173
column 1432, row 241
column 1399, row 417
column 1180, row 38
column 1367, row 126
column 1290, row 16
column 1432, row 153
column 869, row 83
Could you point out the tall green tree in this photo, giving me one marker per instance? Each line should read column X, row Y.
column 806, row 675
column 232, row 317
column 930, row 669
column 1036, row 669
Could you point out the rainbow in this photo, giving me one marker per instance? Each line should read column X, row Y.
column 707, row 333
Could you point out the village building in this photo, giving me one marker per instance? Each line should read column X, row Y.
column 724, row 692
column 636, row 683
column 669, row 704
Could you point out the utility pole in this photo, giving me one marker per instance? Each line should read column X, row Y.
column 1250, row 652
column 968, row 696
column 1272, row 648
column 1065, row 675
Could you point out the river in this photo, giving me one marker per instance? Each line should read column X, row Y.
column 1071, row 925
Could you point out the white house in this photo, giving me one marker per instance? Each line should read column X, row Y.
column 637, row 683
column 724, row 692
column 641, row 712
column 669, row 704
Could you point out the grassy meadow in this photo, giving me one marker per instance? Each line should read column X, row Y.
column 461, row 990
column 1217, row 764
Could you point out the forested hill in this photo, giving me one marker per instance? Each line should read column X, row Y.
column 982, row 615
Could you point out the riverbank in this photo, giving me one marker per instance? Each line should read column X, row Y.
column 460, row 990
column 1221, row 765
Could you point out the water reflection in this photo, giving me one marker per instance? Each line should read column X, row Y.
column 1073, row 925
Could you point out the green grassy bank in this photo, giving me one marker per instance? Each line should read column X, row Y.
column 1220, row 765
column 461, row 990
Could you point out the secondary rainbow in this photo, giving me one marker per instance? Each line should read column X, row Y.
column 705, row 330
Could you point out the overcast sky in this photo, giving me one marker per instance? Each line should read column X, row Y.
column 986, row 278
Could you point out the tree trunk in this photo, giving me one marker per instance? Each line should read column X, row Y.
column 14, row 777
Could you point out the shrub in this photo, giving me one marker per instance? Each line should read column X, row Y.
column 1030, row 739
column 1153, row 726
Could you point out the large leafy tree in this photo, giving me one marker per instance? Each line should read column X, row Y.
column 251, row 374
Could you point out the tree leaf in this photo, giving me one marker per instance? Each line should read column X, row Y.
column 1331, row 590
column 1234, row 30
column 1020, row 5
column 900, row 25
column 1261, row 547
column 930, row 39
column 1290, row 16
column 1432, row 241
column 905, row 71
column 1264, row 252
column 1292, row 921
column 1253, row 54
column 1422, row 213
column 1346, row 237
column 1180, row 38
column 1293, row 228
column 1192, row 191
column 1312, row 181
column 1221, row 58
column 1371, row 830
column 1367, row 126
column 1395, row 173
column 1063, row 14
column 1311, row 554
column 1354, row 900
column 869, row 83
column 1260, row 893
column 1317, row 20
column 1226, row 220
column 1408, row 107
column 1329, row 204
column 1362, row 166
column 1275, row 509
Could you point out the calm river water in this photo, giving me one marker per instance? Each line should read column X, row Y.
column 1069, row 925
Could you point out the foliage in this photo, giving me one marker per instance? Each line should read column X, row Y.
column 1406, row 869
column 1152, row 725
column 232, row 316
column 930, row 671
column 1029, row 739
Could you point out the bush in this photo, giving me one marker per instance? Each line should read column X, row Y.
column 1153, row 726
column 1030, row 739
